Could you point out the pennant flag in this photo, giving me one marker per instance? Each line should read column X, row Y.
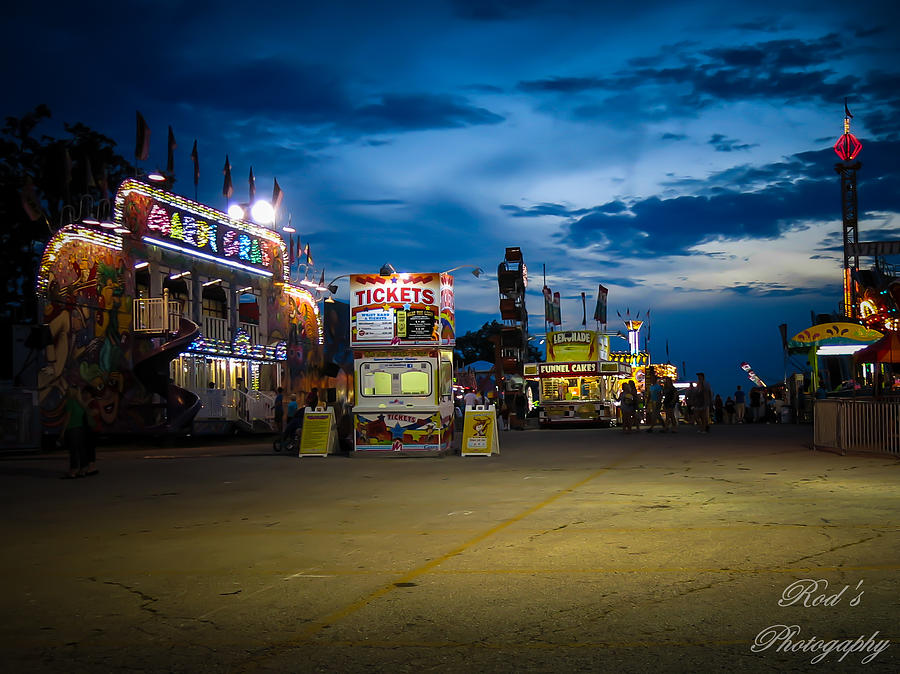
column 600, row 308
column 252, row 187
column 227, row 188
column 196, row 159
column 170, row 161
column 322, row 279
column 557, row 312
column 847, row 110
column 291, row 252
column 583, row 311
column 30, row 202
column 299, row 248
column 548, row 305
column 309, row 259
column 667, row 353
column 142, row 139
column 277, row 195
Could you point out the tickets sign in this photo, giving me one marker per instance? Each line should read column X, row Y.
column 402, row 309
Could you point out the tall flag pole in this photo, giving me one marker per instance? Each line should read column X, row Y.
column 195, row 158
column 583, row 311
column 227, row 187
column 142, row 139
column 170, row 160
column 252, row 187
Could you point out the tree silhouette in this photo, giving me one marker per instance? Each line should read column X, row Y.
column 70, row 178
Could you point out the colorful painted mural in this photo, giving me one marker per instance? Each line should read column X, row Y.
column 88, row 310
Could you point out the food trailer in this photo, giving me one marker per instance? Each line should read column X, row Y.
column 402, row 331
column 577, row 383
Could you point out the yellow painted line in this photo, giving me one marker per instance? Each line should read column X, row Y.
column 312, row 628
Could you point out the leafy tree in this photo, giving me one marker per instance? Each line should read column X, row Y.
column 474, row 346
column 68, row 178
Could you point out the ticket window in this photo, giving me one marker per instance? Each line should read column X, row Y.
column 395, row 379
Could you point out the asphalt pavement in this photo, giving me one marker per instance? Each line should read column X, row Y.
column 573, row 550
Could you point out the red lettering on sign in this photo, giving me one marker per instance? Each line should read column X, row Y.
column 392, row 294
column 377, row 296
column 427, row 296
column 404, row 295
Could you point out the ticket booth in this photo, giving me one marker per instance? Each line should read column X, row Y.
column 402, row 331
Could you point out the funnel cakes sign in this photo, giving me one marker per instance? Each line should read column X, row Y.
column 401, row 309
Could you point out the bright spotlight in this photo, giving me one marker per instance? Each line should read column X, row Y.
column 262, row 212
column 236, row 211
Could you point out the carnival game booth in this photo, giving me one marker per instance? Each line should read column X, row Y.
column 577, row 383
column 402, row 331
column 173, row 317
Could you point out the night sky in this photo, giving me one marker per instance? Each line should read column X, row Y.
column 678, row 153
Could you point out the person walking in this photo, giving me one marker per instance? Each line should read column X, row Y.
column 279, row 409
column 739, row 404
column 627, row 402
column 703, row 401
column 653, row 405
column 75, row 437
column 719, row 409
column 521, row 410
column 755, row 400
column 670, row 403
column 504, row 414
column 312, row 399
column 729, row 410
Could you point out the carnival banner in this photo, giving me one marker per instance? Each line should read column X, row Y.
column 600, row 309
column 397, row 431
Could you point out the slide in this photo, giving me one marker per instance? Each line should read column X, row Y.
column 153, row 372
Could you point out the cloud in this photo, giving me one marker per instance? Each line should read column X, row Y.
column 673, row 136
column 723, row 144
column 681, row 81
column 416, row 112
column 319, row 99
column 740, row 203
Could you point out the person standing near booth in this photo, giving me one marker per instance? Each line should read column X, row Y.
column 521, row 410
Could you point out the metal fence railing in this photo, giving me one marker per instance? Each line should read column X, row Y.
column 156, row 315
column 857, row 425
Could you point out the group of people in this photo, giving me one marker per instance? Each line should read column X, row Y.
column 757, row 407
column 661, row 405
column 512, row 408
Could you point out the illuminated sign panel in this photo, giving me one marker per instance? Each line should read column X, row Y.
column 178, row 223
column 574, row 345
column 401, row 309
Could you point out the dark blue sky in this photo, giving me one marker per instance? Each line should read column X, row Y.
column 678, row 153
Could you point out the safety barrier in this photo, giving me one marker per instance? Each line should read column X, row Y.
column 857, row 425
